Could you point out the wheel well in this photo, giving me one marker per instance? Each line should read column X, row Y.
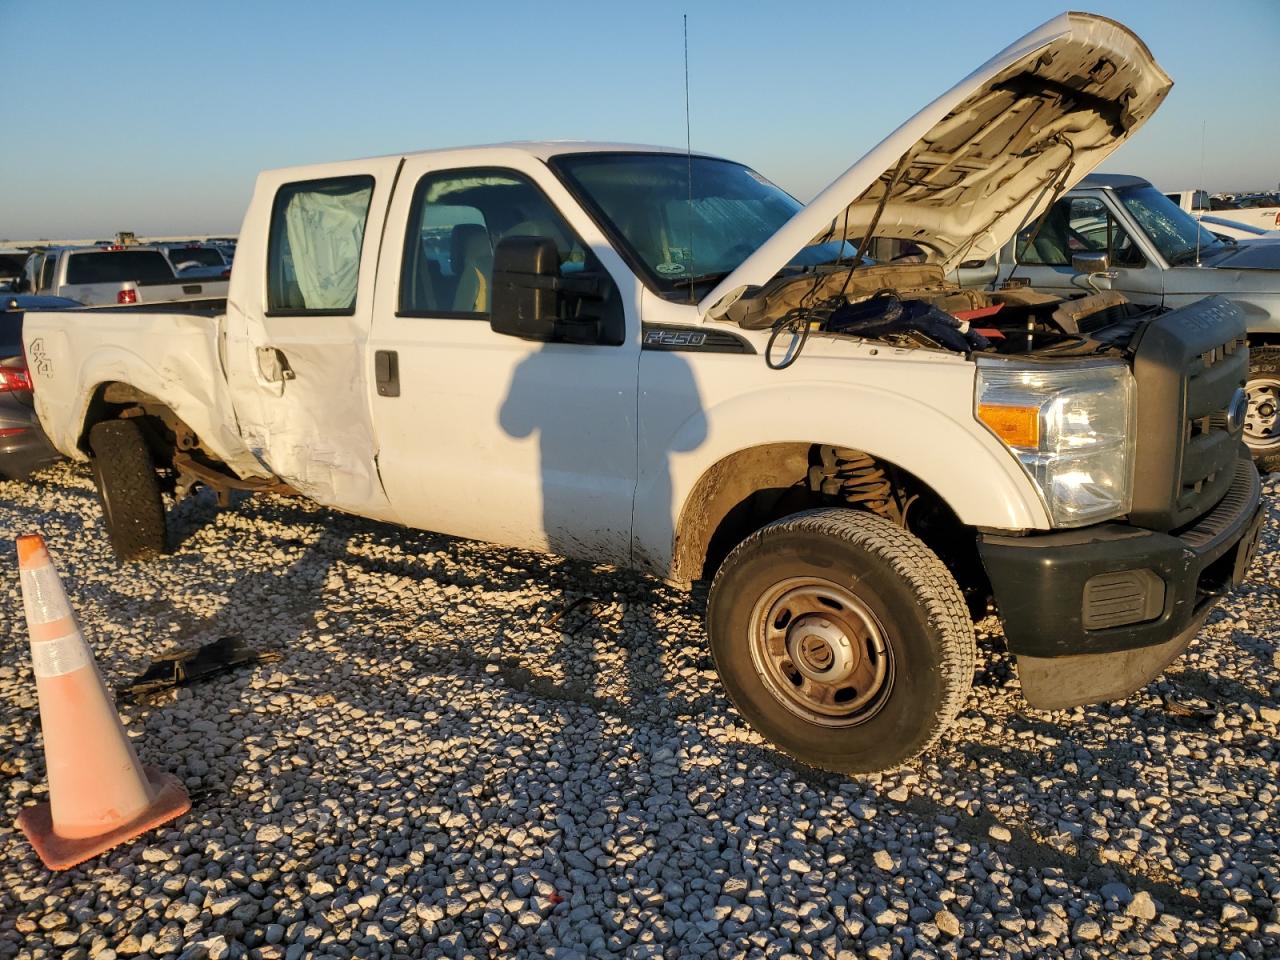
column 160, row 426
column 754, row 487
column 177, row 451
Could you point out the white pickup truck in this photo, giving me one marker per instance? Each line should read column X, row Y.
column 116, row 274
column 1221, row 218
column 662, row 361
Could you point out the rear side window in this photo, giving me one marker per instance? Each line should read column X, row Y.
column 117, row 266
column 313, row 254
column 46, row 272
column 205, row 256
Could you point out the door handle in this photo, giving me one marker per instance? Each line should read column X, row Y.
column 386, row 372
column 274, row 365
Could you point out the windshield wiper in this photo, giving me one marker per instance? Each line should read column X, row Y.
column 1189, row 255
column 701, row 278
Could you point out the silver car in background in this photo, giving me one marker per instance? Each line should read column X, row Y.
column 1115, row 232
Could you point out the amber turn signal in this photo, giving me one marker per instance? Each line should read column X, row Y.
column 1016, row 426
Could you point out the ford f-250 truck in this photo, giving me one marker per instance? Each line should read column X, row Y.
column 658, row 360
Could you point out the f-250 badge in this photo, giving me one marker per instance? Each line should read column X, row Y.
column 675, row 338
column 39, row 360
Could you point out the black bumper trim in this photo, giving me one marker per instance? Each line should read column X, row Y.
column 1038, row 580
column 1056, row 683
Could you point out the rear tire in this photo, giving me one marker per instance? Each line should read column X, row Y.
column 1262, row 424
column 842, row 639
column 128, row 490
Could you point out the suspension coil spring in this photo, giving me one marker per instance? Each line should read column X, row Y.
column 856, row 478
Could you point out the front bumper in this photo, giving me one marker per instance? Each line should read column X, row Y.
column 1097, row 613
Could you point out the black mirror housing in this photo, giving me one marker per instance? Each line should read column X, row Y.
column 526, row 288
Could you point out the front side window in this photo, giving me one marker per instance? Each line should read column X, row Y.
column 313, row 253
column 1077, row 225
column 685, row 222
column 456, row 220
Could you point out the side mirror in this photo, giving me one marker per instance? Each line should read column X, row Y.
column 1090, row 263
column 526, row 300
column 531, row 300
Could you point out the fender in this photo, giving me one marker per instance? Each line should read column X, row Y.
column 187, row 378
column 960, row 460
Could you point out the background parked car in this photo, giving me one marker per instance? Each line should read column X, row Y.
column 196, row 260
column 1225, row 222
column 12, row 263
column 119, row 274
column 23, row 444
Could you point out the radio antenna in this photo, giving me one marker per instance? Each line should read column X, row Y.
column 688, row 152
column 1193, row 192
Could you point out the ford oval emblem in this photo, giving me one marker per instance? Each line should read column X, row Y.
column 1237, row 410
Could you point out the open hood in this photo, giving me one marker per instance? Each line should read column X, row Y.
column 988, row 156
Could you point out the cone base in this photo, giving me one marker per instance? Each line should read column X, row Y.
column 60, row 853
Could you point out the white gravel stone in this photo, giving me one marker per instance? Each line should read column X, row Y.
column 426, row 771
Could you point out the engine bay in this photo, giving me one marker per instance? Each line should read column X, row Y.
column 915, row 305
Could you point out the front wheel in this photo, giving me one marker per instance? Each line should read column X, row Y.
column 1262, row 421
column 128, row 489
column 842, row 639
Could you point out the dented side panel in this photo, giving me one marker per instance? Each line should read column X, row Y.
column 302, row 385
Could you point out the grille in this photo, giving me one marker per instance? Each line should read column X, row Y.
column 1244, row 487
column 1188, row 365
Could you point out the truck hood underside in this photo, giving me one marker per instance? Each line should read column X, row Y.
column 962, row 175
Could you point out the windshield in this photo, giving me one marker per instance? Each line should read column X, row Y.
column 1175, row 233
column 681, row 221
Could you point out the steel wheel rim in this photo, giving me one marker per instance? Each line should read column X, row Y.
column 821, row 652
column 1262, row 419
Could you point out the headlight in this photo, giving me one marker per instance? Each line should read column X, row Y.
column 1071, row 426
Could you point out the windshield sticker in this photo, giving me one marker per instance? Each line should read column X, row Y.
column 670, row 269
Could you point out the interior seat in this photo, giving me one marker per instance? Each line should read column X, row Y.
column 471, row 255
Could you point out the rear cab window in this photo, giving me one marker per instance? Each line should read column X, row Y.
column 314, row 246
column 118, row 266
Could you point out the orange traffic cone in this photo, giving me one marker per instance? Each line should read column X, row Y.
column 99, row 794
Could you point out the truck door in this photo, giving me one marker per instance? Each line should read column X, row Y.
column 295, row 351
column 1082, row 224
column 486, row 435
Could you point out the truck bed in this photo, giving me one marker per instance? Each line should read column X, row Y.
column 165, row 350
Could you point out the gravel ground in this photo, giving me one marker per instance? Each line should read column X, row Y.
column 438, row 767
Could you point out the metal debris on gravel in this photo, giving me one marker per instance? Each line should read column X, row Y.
column 438, row 766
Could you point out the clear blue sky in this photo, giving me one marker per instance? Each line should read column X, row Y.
column 156, row 117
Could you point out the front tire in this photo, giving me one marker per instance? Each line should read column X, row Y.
column 1262, row 423
column 128, row 490
column 842, row 639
